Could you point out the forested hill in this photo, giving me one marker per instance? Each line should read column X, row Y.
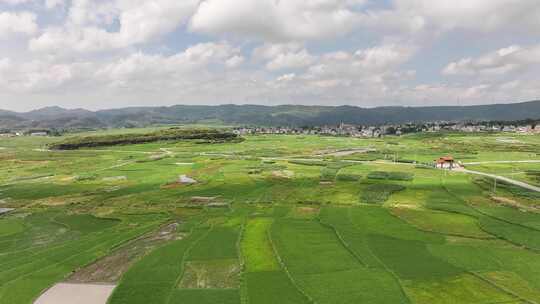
column 55, row 117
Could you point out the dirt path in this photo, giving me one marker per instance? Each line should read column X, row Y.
column 116, row 166
column 381, row 162
column 501, row 178
column 346, row 152
column 166, row 151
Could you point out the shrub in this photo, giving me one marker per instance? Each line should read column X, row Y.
column 406, row 161
column 307, row 162
column 85, row 177
column 348, row 177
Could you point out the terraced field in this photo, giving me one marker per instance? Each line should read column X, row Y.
column 272, row 219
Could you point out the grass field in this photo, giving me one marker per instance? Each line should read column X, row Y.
column 274, row 219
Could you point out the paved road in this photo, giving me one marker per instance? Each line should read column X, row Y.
column 502, row 162
column 501, row 178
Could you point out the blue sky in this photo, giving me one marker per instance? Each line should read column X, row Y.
column 99, row 54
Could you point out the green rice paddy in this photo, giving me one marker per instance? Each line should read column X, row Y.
column 276, row 219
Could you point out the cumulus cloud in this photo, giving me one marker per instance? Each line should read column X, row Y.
column 17, row 23
column 294, row 51
column 276, row 20
column 138, row 70
column 284, row 56
column 479, row 15
column 368, row 64
column 350, row 77
column 499, row 62
column 36, row 76
column 50, row 4
column 86, row 28
column 14, row 2
column 143, row 68
column 234, row 61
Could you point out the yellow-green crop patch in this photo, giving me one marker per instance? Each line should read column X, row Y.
column 9, row 226
column 257, row 250
column 513, row 283
column 462, row 289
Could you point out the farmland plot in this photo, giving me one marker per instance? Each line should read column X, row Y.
column 211, row 269
column 325, row 270
column 29, row 266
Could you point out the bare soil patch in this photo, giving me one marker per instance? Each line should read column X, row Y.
column 283, row 174
column 203, row 199
column 511, row 203
column 211, row 274
column 65, row 293
column 63, row 200
column 111, row 268
column 114, row 178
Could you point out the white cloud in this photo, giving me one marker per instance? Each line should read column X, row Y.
column 500, row 62
column 286, row 77
column 17, row 23
column 88, row 12
column 284, row 56
column 139, row 21
column 300, row 51
column 234, row 61
column 14, row 2
column 276, row 20
column 291, row 60
column 479, row 15
column 50, row 4
column 137, row 71
column 366, row 74
column 36, row 76
column 193, row 57
column 157, row 71
column 369, row 63
column 383, row 57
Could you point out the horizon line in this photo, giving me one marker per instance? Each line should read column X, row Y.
column 270, row 106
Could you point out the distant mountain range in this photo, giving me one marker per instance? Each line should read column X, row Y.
column 256, row 115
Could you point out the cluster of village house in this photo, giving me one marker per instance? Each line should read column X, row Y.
column 354, row 130
column 20, row 133
column 378, row 131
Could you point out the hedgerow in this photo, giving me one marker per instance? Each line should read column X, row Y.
column 74, row 143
